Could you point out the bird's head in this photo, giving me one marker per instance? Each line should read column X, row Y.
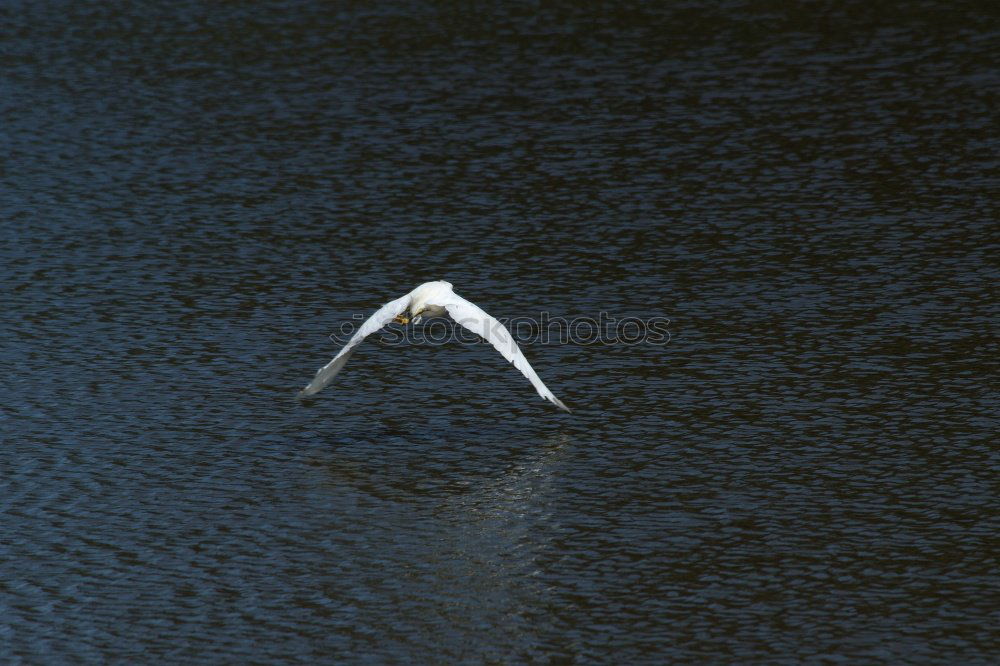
column 410, row 317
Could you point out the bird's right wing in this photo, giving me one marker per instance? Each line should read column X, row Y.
column 474, row 318
column 382, row 316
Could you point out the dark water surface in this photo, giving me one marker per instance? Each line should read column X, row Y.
column 195, row 195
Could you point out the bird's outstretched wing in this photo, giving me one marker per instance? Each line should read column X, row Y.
column 474, row 318
column 382, row 316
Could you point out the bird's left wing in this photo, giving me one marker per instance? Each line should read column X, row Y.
column 382, row 316
column 474, row 318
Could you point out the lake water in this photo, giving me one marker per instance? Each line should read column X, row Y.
column 196, row 195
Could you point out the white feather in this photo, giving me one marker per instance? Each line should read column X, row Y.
column 474, row 318
column 436, row 298
column 382, row 316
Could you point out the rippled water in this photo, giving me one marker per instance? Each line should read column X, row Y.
column 195, row 195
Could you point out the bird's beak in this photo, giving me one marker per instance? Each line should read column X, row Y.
column 401, row 319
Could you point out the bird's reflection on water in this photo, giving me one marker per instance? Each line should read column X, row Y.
column 479, row 568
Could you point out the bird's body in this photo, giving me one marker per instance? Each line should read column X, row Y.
column 436, row 299
column 429, row 298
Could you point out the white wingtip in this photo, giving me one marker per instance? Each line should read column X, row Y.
column 559, row 403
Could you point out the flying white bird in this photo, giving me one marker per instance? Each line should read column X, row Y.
column 435, row 299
